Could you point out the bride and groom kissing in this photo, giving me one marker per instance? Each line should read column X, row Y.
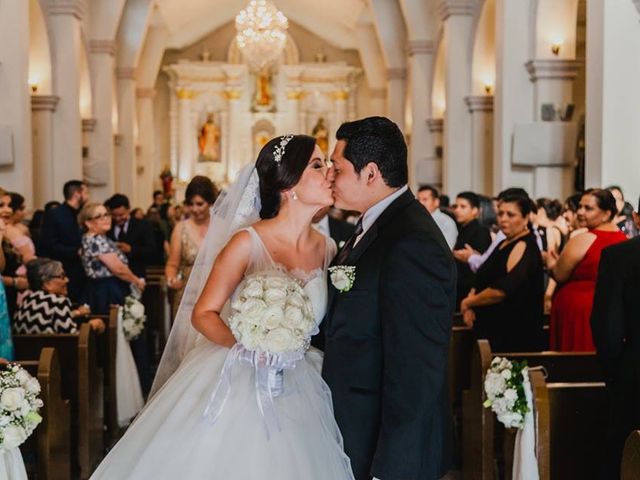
column 378, row 406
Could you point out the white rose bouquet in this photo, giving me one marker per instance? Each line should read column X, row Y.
column 272, row 314
column 504, row 386
column 133, row 317
column 19, row 405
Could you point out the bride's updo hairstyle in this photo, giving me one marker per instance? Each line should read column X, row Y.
column 279, row 172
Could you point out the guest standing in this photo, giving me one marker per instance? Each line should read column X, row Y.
column 505, row 306
column 429, row 197
column 61, row 237
column 615, row 321
column 470, row 232
column 13, row 279
column 6, row 342
column 575, row 270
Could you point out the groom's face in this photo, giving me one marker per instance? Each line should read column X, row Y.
column 349, row 187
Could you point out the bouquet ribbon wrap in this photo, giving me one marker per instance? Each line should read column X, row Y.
column 269, row 370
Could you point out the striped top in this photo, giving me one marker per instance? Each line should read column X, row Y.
column 42, row 312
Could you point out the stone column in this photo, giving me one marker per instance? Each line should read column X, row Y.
column 377, row 101
column 65, row 21
column 421, row 148
column 457, row 19
column 340, row 114
column 432, row 174
column 147, row 142
column 186, row 136
column 42, row 108
column 126, row 164
column 553, row 83
column 481, row 109
column 396, row 95
column 99, row 172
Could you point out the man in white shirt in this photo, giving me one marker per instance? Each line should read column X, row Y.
column 429, row 197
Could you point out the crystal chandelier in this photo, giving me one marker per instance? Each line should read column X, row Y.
column 261, row 33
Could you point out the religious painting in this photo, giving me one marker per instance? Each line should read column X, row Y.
column 262, row 131
column 321, row 133
column 263, row 100
column 209, row 141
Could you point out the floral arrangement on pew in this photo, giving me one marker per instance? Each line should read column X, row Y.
column 504, row 385
column 133, row 317
column 19, row 406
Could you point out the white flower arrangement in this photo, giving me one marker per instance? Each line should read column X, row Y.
column 342, row 277
column 19, row 405
column 504, row 386
column 273, row 314
column 133, row 317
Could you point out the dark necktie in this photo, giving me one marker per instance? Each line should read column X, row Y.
column 347, row 247
column 121, row 234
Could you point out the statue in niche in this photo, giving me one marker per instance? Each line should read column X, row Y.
column 263, row 99
column 167, row 181
column 209, row 141
column 321, row 133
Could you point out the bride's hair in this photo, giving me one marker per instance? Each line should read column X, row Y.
column 277, row 176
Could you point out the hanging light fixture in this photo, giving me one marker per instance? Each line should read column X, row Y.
column 261, row 33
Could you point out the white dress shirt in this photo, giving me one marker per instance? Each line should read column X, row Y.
column 372, row 214
column 447, row 227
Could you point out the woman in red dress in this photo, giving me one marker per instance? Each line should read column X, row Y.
column 576, row 269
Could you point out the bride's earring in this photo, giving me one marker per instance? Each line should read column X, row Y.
column 293, row 195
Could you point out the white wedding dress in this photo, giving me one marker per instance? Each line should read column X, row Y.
column 170, row 439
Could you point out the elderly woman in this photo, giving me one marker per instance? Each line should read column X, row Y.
column 46, row 308
column 505, row 306
column 576, row 270
column 105, row 265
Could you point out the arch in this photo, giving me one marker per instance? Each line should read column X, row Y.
column 40, row 69
column 261, row 132
column 438, row 97
column 290, row 55
column 555, row 24
column 483, row 59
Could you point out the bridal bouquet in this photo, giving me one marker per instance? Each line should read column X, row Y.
column 133, row 317
column 273, row 314
column 504, row 386
column 19, row 405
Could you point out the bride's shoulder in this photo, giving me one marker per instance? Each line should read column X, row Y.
column 239, row 246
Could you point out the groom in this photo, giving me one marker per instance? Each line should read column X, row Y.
column 387, row 336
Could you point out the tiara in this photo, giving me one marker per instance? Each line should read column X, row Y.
column 278, row 151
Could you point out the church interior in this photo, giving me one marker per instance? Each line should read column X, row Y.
column 138, row 97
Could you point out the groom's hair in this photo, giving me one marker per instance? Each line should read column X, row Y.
column 377, row 140
column 278, row 176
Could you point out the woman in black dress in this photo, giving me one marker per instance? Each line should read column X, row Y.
column 506, row 305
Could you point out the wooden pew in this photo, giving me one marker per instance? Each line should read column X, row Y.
column 155, row 300
column 576, row 389
column 51, row 440
column 82, row 383
column 631, row 457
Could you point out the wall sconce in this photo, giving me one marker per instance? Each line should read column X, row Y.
column 488, row 88
column 555, row 49
column 34, row 86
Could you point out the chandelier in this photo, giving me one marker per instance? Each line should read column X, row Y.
column 261, row 33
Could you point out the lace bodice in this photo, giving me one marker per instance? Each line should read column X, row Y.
column 314, row 282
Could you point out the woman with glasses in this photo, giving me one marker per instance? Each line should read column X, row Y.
column 188, row 234
column 46, row 308
column 104, row 264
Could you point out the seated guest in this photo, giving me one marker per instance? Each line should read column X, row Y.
column 104, row 263
column 429, row 197
column 505, row 306
column 46, row 308
column 471, row 233
column 575, row 270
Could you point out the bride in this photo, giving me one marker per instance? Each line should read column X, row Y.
column 213, row 413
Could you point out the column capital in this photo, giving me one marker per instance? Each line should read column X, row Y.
column 102, row 46
column 435, row 124
column 44, row 102
column 557, row 69
column 455, row 7
column 77, row 8
column 420, row 47
column 231, row 93
column 378, row 93
column 126, row 73
column 88, row 124
column 145, row 92
column 479, row 103
column 342, row 94
column 397, row 73
column 295, row 94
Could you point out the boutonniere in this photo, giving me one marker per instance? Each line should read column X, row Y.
column 343, row 277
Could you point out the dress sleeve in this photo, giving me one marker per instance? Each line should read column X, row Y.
column 511, row 281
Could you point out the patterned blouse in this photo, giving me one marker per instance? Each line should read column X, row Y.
column 42, row 312
column 92, row 247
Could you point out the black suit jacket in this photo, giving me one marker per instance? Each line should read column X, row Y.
column 386, row 347
column 61, row 239
column 615, row 325
column 143, row 247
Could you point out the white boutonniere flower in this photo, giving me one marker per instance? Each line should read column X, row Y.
column 343, row 277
